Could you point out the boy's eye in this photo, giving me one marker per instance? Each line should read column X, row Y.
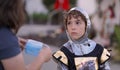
column 68, row 23
column 77, row 22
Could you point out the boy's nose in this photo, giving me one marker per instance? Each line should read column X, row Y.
column 73, row 27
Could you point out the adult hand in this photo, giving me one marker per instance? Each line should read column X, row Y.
column 22, row 42
column 45, row 53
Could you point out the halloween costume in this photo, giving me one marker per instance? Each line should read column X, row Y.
column 82, row 54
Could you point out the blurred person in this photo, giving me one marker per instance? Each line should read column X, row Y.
column 105, row 35
column 110, row 21
column 80, row 52
column 12, row 16
column 102, row 36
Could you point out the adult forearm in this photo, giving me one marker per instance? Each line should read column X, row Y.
column 35, row 65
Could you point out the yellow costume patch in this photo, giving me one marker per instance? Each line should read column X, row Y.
column 105, row 56
column 61, row 56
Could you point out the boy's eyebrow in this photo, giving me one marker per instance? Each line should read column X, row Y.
column 68, row 21
column 78, row 20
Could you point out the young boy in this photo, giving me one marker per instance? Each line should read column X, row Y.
column 80, row 53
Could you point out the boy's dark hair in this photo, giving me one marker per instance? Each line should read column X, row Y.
column 12, row 14
column 75, row 14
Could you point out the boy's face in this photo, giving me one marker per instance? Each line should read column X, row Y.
column 75, row 27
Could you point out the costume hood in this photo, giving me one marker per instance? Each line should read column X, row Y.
column 85, row 36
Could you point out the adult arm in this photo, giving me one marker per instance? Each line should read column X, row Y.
column 17, row 62
column 11, row 56
column 14, row 63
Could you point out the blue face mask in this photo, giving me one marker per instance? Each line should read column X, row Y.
column 33, row 47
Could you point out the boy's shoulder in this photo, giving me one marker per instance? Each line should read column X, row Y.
column 105, row 54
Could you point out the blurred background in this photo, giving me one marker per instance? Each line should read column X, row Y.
column 44, row 22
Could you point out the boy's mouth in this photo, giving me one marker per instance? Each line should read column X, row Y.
column 73, row 33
